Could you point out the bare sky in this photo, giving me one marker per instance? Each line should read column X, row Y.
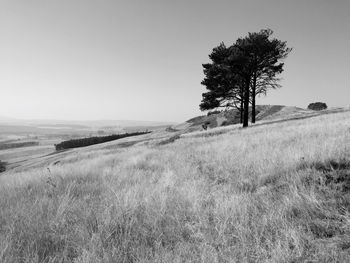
column 100, row 59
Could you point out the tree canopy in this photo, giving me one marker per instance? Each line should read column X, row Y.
column 240, row 72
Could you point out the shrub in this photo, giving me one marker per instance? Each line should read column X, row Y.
column 2, row 166
column 317, row 106
column 225, row 123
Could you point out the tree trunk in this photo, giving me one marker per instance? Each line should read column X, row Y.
column 242, row 105
column 253, row 97
column 241, row 111
column 246, row 104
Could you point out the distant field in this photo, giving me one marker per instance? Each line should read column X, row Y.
column 11, row 145
column 275, row 192
column 21, row 145
column 14, row 157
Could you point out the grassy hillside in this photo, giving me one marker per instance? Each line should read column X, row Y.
column 224, row 118
column 275, row 192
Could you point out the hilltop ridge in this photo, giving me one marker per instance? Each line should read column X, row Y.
column 230, row 117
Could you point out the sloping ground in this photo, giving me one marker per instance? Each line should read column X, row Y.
column 45, row 156
column 52, row 157
column 289, row 112
column 264, row 113
column 268, row 111
column 277, row 192
column 225, row 118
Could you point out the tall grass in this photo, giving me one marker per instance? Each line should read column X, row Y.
column 272, row 193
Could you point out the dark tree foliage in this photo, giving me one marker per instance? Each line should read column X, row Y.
column 237, row 74
column 2, row 166
column 223, row 85
column 94, row 140
column 265, row 55
column 317, row 106
column 241, row 71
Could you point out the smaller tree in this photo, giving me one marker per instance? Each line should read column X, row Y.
column 317, row 106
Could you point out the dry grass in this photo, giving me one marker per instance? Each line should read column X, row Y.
column 272, row 193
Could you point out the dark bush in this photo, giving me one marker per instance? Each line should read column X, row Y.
column 2, row 166
column 317, row 106
column 94, row 140
column 225, row 123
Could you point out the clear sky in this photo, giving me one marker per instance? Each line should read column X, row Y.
column 100, row 59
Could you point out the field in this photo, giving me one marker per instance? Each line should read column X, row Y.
column 29, row 142
column 278, row 191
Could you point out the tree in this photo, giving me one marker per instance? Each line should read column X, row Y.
column 223, row 85
column 241, row 70
column 237, row 74
column 264, row 56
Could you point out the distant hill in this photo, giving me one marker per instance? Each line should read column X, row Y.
column 83, row 124
column 122, row 123
column 6, row 119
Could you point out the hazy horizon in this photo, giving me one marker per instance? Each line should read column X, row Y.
column 136, row 60
column 5, row 118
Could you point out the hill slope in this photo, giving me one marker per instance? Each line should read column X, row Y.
column 275, row 192
column 263, row 113
column 229, row 117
